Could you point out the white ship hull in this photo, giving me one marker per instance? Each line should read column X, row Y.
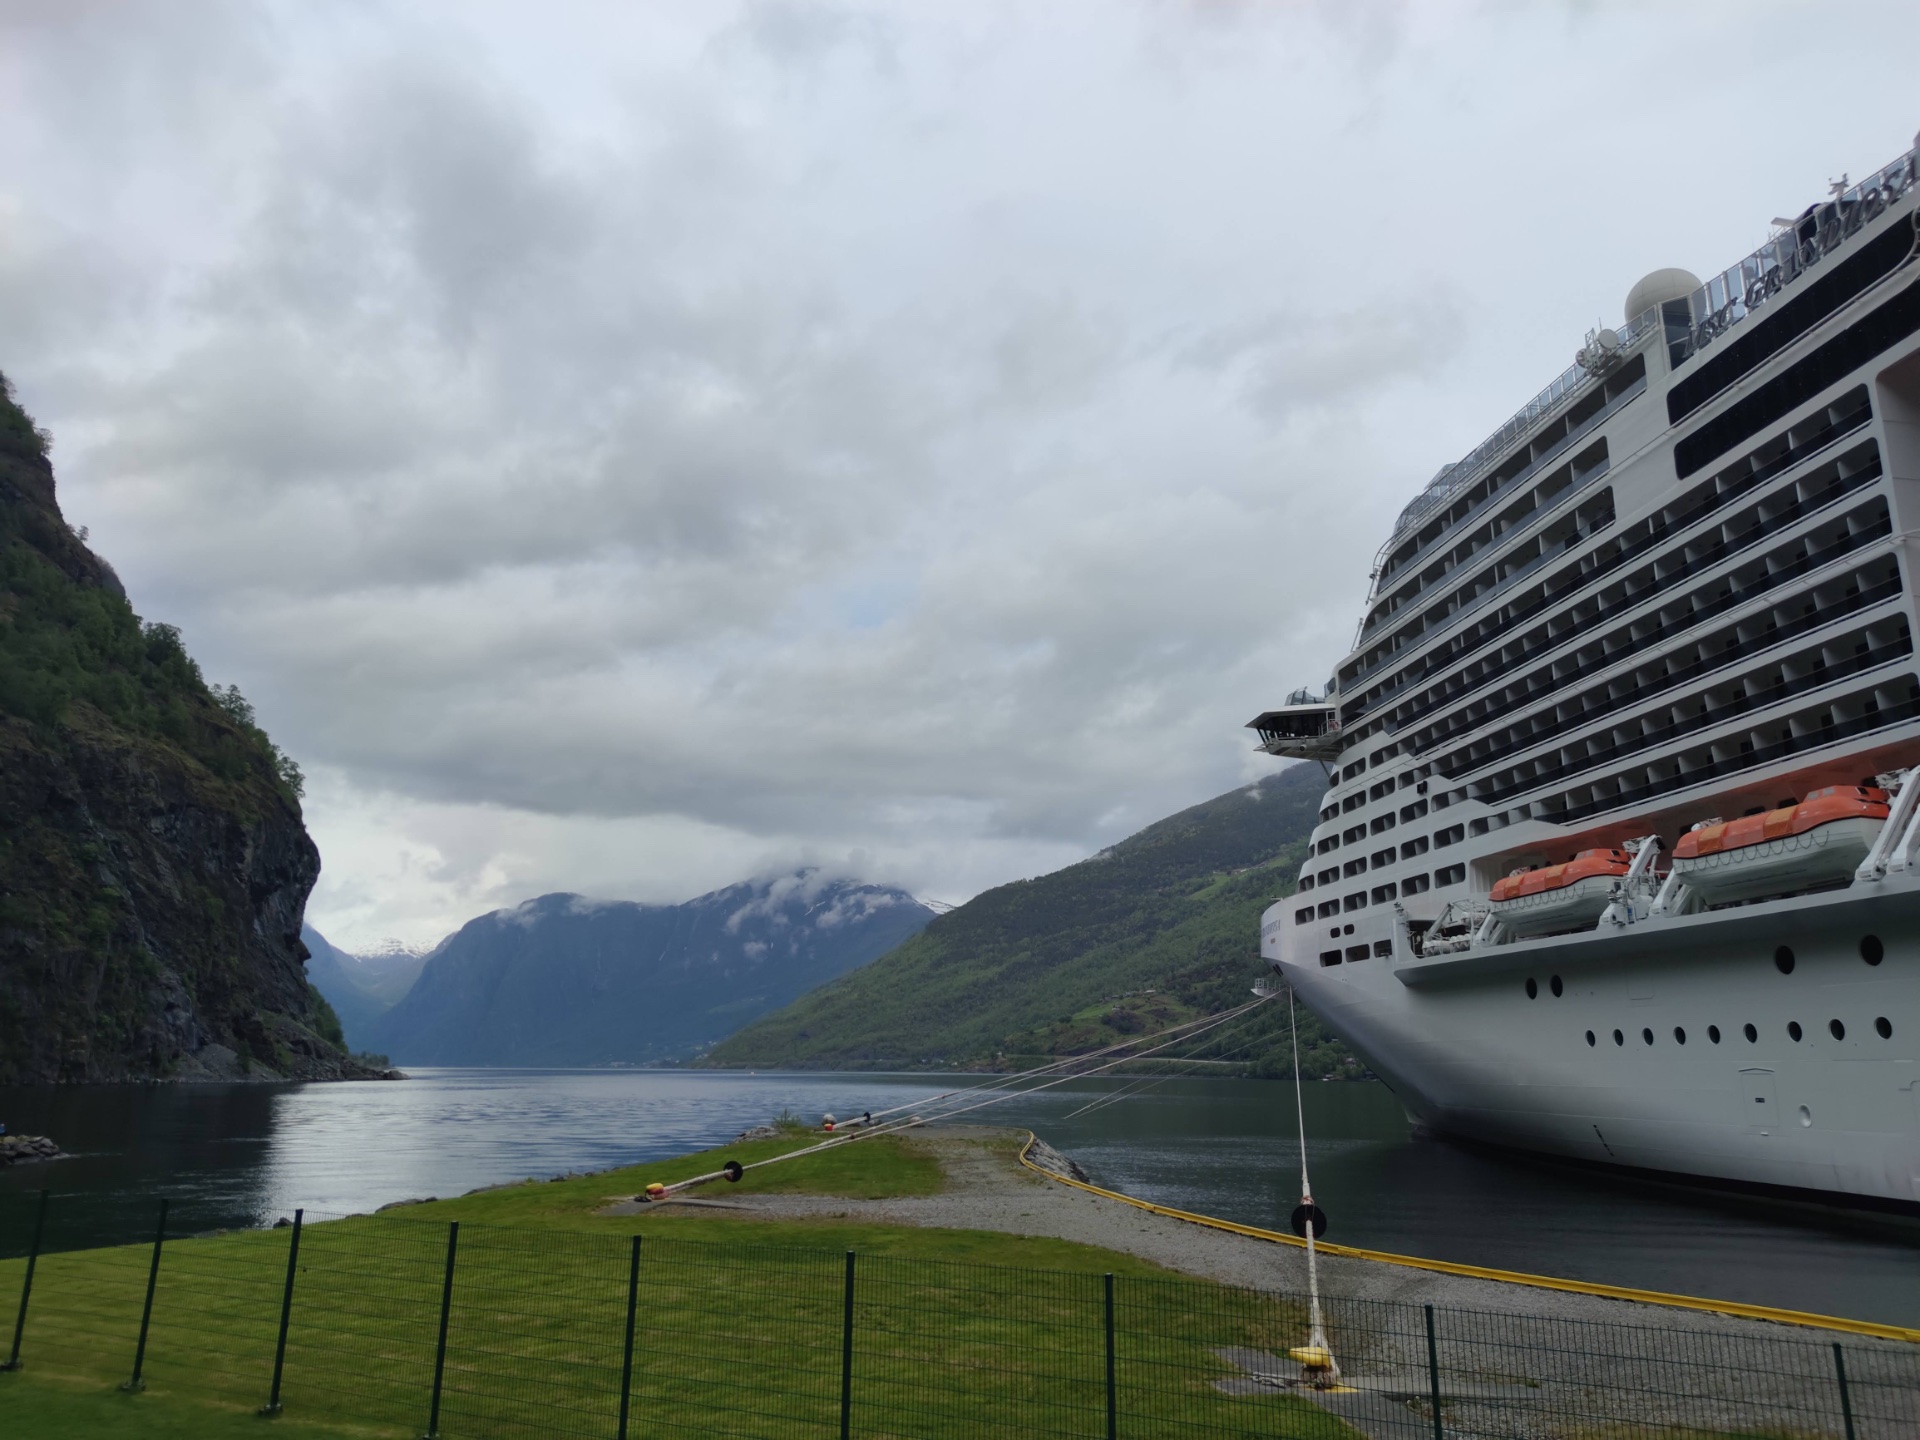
column 1469, row 1054
column 1677, row 587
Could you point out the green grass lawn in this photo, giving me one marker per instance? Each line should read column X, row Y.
column 739, row 1322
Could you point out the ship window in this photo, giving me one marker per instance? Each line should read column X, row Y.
column 1306, row 882
column 1450, row 875
column 1329, row 907
column 1383, row 949
column 1347, row 929
column 1713, row 1033
column 1415, row 884
column 1679, row 1036
column 1383, row 822
column 1326, row 877
column 1647, row 1035
column 1883, row 1027
column 1554, row 985
column 1332, row 842
column 1354, row 867
column 1329, row 957
column 1382, row 858
column 1355, row 901
column 1533, row 989
column 1794, row 1032
column 1871, row 950
column 1357, row 832
column 1413, row 847
column 1589, row 1039
column 1449, row 836
column 1783, row 962
column 1413, row 811
column 1618, row 1038
column 1752, row 1034
column 1836, row 1029
column 1356, row 952
column 1302, row 917
column 1384, row 893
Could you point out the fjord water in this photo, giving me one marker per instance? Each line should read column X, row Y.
column 233, row 1155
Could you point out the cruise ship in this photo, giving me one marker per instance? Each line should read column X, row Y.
column 1620, row 858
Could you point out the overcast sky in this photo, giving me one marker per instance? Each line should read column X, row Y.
column 627, row 447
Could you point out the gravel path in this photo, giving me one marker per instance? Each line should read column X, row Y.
column 1512, row 1355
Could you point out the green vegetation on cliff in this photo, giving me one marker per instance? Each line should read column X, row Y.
column 1163, row 926
column 153, row 867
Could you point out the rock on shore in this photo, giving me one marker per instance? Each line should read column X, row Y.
column 18, row 1149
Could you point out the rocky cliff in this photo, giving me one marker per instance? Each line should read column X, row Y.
column 153, row 865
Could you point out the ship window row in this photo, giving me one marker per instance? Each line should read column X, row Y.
column 1766, row 462
column 1820, row 665
column 1564, row 534
column 1541, row 447
column 1871, row 708
column 1809, row 551
column 1757, row 631
column 1828, row 365
column 1836, row 1027
column 1404, row 888
column 1589, row 465
column 1378, row 860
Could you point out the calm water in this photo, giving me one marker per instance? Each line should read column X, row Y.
column 244, row 1154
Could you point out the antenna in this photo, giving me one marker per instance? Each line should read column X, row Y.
column 1317, row 1366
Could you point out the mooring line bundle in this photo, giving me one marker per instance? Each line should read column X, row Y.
column 998, row 1090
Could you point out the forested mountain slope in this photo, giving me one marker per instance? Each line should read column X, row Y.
column 1065, row 963
column 153, row 864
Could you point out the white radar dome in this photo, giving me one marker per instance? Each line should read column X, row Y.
column 1658, row 288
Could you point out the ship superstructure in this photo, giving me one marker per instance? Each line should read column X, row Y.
column 1674, row 592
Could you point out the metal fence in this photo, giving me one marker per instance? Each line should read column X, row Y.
column 403, row 1326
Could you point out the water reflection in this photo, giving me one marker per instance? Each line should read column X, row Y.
column 244, row 1154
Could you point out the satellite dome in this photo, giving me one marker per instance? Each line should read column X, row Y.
column 1658, row 288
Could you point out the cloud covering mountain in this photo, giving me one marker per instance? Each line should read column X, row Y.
column 564, row 980
column 691, row 440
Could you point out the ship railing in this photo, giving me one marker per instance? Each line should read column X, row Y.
column 1727, row 299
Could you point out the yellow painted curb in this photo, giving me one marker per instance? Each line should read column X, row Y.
column 1509, row 1277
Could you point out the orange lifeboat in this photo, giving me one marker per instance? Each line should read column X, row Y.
column 1820, row 841
column 1570, row 896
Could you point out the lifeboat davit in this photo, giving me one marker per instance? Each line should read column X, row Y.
column 1820, row 841
column 1559, row 897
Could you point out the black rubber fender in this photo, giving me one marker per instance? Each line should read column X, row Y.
column 1302, row 1214
column 733, row 1170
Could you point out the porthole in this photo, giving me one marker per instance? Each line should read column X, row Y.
column 1806, row 1116
column 1618, row 1038
column 1647, row 1035
column 1554, row 985
column 1713, row 1033
column 1883, row 1027
column 1794, row 1032
column 1679, row 1036
column 1752, row 1034
column 1590, row 1036
column 1783, row 960
column 1533, row 990
column 1871, row 950
column 1836, row 1029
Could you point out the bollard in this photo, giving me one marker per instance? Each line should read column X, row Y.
column 1433, row 1375
column 846, row 1359
column 26, row 1284
column 146, row 1311
column 1846, row 1400
column 272, row 1407
column 440, row 1349
column 1113, row 1399
column 626, row 1362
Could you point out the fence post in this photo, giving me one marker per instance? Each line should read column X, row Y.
column 440, row 1350
column 1113, row 1405
column 1433, row 1376
column 626, row 1362
column 1846, row 1400
column 272, row 1406
column 26, row 1285
column 846, row 1359
column 146, row 1311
